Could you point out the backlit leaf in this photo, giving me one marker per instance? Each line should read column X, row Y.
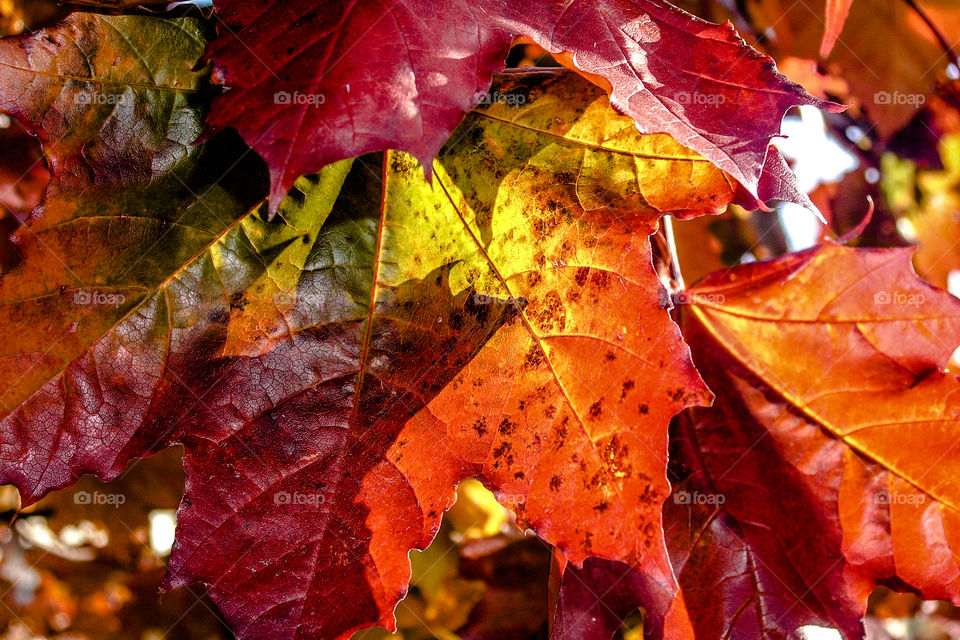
column 302, row 100
column 333, row 373
column 826, row 465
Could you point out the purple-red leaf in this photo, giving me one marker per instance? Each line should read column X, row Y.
column 303, row 91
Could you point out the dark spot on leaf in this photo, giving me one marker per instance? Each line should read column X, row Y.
column 600, row 278
column 503, row 450
column 507, row 428
column 237, row 301
column 535, row 357
column 480, row 426
column 596, row 409
column 581, row 276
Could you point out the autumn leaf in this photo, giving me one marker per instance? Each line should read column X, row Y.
column 888, row 56
column 499, row 385
column 130, row 204
column 826, row 465
column 592, row 601
column 876, row 343
column 837, row 11
column 301, row 99
column 333, row 373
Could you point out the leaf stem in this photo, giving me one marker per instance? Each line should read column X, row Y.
column 936, row 31
column 672, row 248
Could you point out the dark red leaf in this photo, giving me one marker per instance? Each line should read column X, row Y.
column 303, row 91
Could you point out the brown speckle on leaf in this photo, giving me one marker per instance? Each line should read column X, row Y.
column 596, row 409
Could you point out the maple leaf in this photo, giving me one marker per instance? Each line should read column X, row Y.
column 301, row 97
column 334, row 372
column 826, row 465
column 121, row 216
column 537, row 406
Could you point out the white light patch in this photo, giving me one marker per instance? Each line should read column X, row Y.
column 953, row 72
column 817, row 157
column 896, row 627
column 800, row 225
column 907, row 230
column 163, row 528
column 812, row 632
column 200, row 4
column 953, row 282
column 854, row 134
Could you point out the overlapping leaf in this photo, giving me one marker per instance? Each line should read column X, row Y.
column 303, row 92
column 333, row 373
column 828, row 463
column 133, row 213
column 494, row 338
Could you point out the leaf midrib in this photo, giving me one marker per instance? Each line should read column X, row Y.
column 89, row 80
column 148, row 293
column 592, row 145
